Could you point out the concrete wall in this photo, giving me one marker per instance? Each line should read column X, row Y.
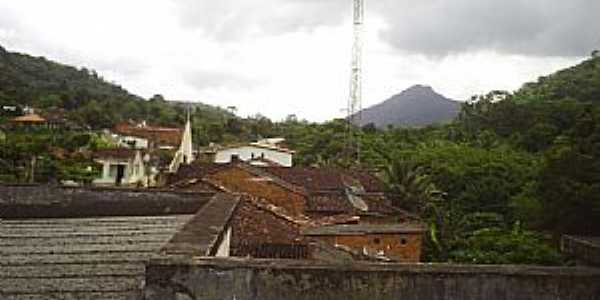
column 585, row 249
column 43, row 201
column 214, row 278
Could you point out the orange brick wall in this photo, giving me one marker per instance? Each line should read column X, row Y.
column 242, row 181
column 390, row 244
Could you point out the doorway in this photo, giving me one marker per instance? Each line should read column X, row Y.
column 120, row 174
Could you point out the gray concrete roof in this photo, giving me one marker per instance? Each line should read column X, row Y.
column 80, row 258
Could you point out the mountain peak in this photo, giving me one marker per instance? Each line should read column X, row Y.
column 419, row 105
column 420, row 87
column 419, row 90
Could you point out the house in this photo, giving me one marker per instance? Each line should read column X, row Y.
column 290, row 210
column 313, row 192
column 396, row 242
column 10, row 110
column 144, row 136
column 32, row 120
column 123, row 167
column 266, row 152
column 263, row 230
column 133, row 142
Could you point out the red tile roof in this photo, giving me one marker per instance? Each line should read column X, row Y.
column 337, row 202
column 159, row 135
column 317, row 179
column 31, row 118
column 328, row 203
column 260, row 229
column 253, row 224
column 120, row 153
column 196, row 170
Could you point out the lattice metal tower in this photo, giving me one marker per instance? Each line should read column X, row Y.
column 355, row 99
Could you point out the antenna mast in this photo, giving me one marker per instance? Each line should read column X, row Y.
column 355, row 99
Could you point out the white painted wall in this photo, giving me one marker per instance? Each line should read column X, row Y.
column 126, row 141
column 134, row 172
column 224, row 247
column 246, row 153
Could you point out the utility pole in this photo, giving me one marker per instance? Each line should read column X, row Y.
column 355, row 99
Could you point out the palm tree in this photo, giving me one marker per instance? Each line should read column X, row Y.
column 410, row 186
column 413, row 189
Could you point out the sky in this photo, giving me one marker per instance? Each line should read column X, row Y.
column 282, row 57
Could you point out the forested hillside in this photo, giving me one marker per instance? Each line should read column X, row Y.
column 580, row 82
column 85, row 96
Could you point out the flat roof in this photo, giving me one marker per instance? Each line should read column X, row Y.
column 81, row 258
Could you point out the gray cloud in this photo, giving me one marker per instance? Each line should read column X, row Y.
column 530, row 27
column 235, row 19
column 431, row 27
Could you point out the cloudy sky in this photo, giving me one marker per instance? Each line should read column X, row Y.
column 280, row 57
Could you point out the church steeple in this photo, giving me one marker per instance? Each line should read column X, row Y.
column 186, row 142
column 185, row 153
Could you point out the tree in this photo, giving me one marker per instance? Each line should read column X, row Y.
column 157, row 98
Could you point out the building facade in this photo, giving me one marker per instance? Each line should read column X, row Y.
column 122, row 167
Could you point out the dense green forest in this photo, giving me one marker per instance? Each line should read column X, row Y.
column 500, row 184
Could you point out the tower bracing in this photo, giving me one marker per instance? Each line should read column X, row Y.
column 355, row 99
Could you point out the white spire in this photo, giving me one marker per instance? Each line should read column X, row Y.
column 186, row 142
column 185, row 153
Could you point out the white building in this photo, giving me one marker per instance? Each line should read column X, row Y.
column 122, row 167
column 261, row 153
column 132, row 142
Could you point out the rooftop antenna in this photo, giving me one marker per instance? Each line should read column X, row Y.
column 355, row 99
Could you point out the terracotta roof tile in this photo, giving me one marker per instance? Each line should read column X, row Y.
column 160, row 135
column 317, row 179
column 31, row 118
column 252, row 224
column 197, row 170
column 337, row 202
column 328, row 203
column 119, row 153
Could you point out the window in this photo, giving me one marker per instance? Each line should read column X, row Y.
column 377, row 241
column 112, row 173
column 403, row 241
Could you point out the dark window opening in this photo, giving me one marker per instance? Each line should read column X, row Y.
column 120, row 175
column 403, row 241
column 376, row 241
